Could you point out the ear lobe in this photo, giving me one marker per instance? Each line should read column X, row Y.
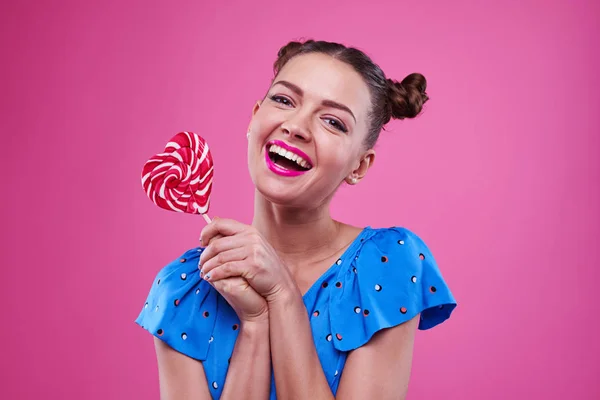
column 366, row 162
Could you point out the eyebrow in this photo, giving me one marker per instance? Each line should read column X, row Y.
column 328, row 103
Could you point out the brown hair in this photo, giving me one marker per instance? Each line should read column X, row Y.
column 389, row 98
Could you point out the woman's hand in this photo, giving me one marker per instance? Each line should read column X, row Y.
column 247, row 304
column 242, row 251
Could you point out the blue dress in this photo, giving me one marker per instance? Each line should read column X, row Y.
column 384, row 278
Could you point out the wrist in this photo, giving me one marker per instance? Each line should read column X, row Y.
column 285, row 298
column 257, row 325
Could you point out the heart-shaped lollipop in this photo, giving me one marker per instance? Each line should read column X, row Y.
column 180, row 178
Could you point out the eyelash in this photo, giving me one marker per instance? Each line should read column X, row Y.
column 338, row 125
column 276, row 99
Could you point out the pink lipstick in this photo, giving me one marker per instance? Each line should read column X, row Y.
column 292, row 161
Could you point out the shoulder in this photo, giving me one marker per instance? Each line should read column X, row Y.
column 391, row 278
column 395, row 246
column 184, row 265
column 394, row 236
column 182, row 309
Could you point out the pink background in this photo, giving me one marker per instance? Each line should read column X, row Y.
column 500, row 176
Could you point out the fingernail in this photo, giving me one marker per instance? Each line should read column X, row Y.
column 201, row 272
column 207, row 277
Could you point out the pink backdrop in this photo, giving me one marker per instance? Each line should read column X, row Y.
column 500, row 176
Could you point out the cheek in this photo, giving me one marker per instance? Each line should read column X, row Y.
column 265, row 122
column 262, row 126
column 336, row 158
column 340, row 164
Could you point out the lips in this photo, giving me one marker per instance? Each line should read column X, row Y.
column 286, row 160
column 291, row 149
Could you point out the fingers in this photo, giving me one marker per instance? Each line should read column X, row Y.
column 225, row 227
column 234, row 254
column 219, row 245
column 226, row 270
column 213, row 239
column 225, row 286
column 200, row 259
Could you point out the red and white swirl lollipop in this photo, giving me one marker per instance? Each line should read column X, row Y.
column 180, row 178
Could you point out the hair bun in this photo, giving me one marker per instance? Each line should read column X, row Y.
column 406, row 98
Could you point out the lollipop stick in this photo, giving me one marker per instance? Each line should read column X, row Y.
column 208, row 221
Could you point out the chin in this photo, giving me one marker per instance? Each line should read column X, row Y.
column 280, row 192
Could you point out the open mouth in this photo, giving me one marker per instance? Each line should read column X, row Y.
column 287, row 160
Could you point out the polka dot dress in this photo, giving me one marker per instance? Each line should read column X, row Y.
column 386, row 277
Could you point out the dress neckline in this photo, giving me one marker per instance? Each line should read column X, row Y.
column 344, row 258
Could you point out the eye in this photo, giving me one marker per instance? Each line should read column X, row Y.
column 336, row 124
column 281, row 100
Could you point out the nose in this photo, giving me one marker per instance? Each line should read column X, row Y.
column 296, row 128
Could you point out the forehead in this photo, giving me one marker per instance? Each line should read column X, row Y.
column 322, row 77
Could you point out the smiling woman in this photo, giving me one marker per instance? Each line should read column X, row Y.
column 319, row 308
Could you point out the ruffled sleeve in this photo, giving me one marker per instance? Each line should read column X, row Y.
column 181, row 308
column 392, row 278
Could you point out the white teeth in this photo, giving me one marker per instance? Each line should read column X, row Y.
column 289, row 155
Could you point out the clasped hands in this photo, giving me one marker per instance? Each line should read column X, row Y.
column 244, row 268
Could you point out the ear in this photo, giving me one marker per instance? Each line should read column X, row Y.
column 256, row 108
column 366, row 162
column 254, row 111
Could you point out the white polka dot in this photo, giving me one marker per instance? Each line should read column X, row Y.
column 329, row 337
column 400, row 241
column 211, row 339
column 183, row 336
column 156, row 309
column 197, row 291
column 146, row 305
column 215, row 385
column 336, row 373
column 183, row 276
column 378, row 287
column 414, row 279
column 339, row 262
column 357, row 310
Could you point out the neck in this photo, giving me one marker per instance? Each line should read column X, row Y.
column 295, row 232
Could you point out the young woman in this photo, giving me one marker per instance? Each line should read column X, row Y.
column 298, row 305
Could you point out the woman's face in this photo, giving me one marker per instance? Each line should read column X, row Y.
column 306, row 136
